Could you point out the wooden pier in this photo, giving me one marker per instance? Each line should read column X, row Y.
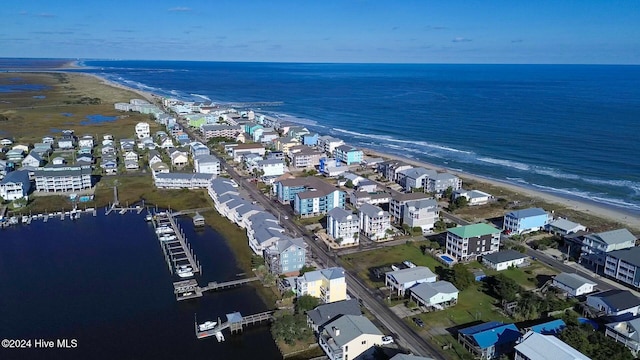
column 178, row 251
column 235, row 322
column 189, row 289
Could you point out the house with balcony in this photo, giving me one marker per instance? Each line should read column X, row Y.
column 525, row 221
column 210, row 131
column 329, row 285
column 436, row 295
column 624, row 266
column 243, row 149
column 535, row 346
column 400, row 281
column 374, row 222
column 154, row 157
column 489, row 340
column 271, row 167
column 595, row 247
column 159, row 168
column 286, row 257
column 182, row 180
column 343, row 226
column 179, row 159
column 197, row 149
column 207, row 164
column 33, row 159
column 564, row 227
column 348, row 154
column 310, row 139
column 440, row 182
column 15, row 185
column 285, row 143
column 614, row 303
column 142, row 130
column 391, row 169
column 421, row 213
column 304, row 157
column 63, row 178
column 573, row 284
column 310, row 195
column 86, row 141
column 325, row 313
column 357, row 198
column 399, row 201
column 626, row 332
column 349, row 337
column 466, row 243
column 262, row 236
column 328, row 144
column 414, row 178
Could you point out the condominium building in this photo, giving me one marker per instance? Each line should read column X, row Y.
column 421, row 213
column 468, row 242
column 343, row 226
column 374, row 222
column 624, row 265
column 63, row 178
column 595, row 247
column 182, row 180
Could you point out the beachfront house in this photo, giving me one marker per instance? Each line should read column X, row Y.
column 502, row 260
column 564, row 227
column 595, row 247
column 325, row 313
column 573, row 284
column 348, row 154
column 375, row 223
column 440, row 182
column 399, row 281
column 343, row 226
column 614, row 302
column 287, row 256
column 15, row 185
column 414, row 178
column 399, row 201
column 436, row 295
column 421, row 213
column 329, row 285
column 489, row 340
column 390, row 169
column 349, row 337
column 327, row 144
column 525, row 221
column 207, row 164
column 626, row 332
column 535, row 346
column 310, row 139
column 466, row 243
column 474, row 197
column 310, row 196
column 624, row 266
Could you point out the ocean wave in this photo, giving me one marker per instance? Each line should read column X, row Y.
column 506, row 163
column 201, row 96
column 596, row 197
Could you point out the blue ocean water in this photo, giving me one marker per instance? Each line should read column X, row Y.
column 572, row 130
column 103, row 281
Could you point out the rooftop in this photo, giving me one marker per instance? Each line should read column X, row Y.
column 631, row 255
column 537, row 346
column 612, row 237
column 618, row 299
column 327, row 312
column 474, row 230
column 503, row 256
column 571, row 280
column 350, row 327
column 525, row 213
column 407, row 275
column 492, row 333
column 340, row 214
column 428, row 290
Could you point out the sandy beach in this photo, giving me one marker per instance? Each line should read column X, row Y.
column 628, row 219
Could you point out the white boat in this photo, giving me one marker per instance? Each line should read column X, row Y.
column 207, row 325
column 167, row 237
column 25, row 219
column 219, row 336
column 184, row 271
column 149, row 217
column 164, row 230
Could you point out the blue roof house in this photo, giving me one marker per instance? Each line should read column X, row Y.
column 552, row 327
column 489, row 340
column 310, row 139
column 348, row 154
column 525, row 221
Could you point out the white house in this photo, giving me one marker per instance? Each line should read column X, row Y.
column 15, row 185
column 271, row 167
column 374, row 222
column 564, row 227
column 626, row 332
column 503, row 260
column 86, row 141
column 207, row 164
column 535, row 346
column 421, row 213
column 349, row 337
column 573, row 284
column 6, row 142
column 33, row 159
column 154, row 157
column 179, row 159
column 142, row 130
column 474, row 197
column 614, row 302
column 343, row 226
column 182, row 180
column 403, row 279
column 131, row 156
column 434, row 295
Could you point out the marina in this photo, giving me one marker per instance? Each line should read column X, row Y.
column 178, row 254
column 235, row 323
column 189, row 289
column 62, row 215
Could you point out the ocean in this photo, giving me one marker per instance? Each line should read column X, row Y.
column 571, row 130
column 104, row 282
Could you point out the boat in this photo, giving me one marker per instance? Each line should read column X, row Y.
column 184, row 271
column 25, row 219
column 149, row 217
column 164, row 230
column 167, row 237
column 207, row 325
column 219, row 336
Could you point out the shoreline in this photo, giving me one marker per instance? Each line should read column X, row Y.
column 591, row 208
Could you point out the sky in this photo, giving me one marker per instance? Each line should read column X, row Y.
column 363, row 31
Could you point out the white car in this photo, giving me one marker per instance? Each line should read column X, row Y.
column 387, row 340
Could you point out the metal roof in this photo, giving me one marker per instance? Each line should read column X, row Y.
column 426, row 290
column 407, row 275
column 525, row 213
column 618, row 299
column 350, row 327
column 474, row 230
column 372, row 210
column 493, row 333
column 612, row 237
column 327, row 312
column 340, row 214
column 543, row 347
column 631, row 255
column 550, row 327
column 571, row 280
column 503, row 256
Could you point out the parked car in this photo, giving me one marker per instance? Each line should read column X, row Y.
column 387, row 340
column 418, row 321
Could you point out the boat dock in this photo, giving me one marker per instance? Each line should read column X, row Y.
column 177, row 252
column 62, row 215
column 189, row 289
column 235, row 322
column 123, row 210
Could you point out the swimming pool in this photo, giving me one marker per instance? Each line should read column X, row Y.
column 447, row 259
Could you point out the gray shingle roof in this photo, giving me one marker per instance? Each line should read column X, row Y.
column 327, row 312
column 573, row 281
column 618, row 299
column 340, row 214
column 350, row 326
column 407, row 275
column 538, row 346
column 372, row 210
column 524, row 213
column 631, row 255
column 503, row 256
column 613, row 237
column 427, row 290
column 564, row 224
